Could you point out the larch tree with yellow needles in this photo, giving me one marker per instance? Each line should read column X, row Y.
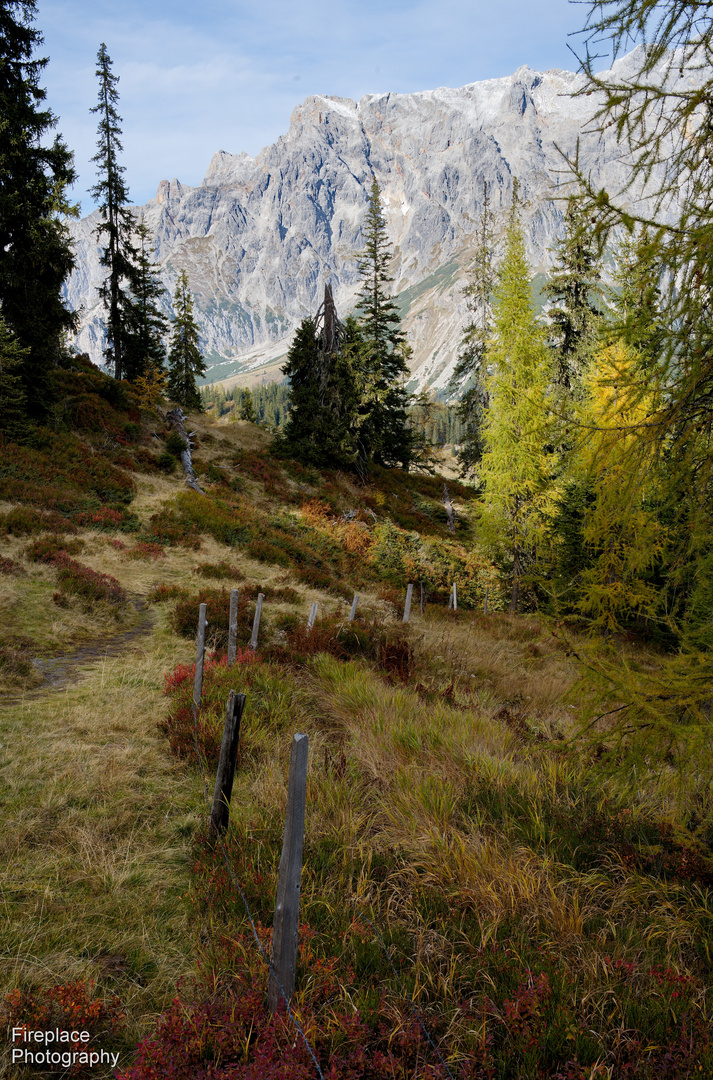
column 516, row 467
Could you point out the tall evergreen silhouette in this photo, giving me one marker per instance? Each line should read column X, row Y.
column 385, row 428
column 185, row 361
column 35, row 173
column 117, row 223
column 145, row 324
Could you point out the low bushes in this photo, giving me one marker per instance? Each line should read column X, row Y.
column 69, row 1007
column 88, row 584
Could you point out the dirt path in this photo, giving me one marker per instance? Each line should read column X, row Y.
column 61, row 671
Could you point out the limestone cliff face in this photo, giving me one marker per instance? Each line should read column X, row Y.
column 260, row 236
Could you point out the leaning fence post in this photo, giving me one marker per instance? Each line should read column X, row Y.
column 200, row 656
column 355, row 601
column 455, row 597
column 312, row 616
column 256, row 621
column 407, row 605
column 287, row 904
column 220, row 814
column 233, row 626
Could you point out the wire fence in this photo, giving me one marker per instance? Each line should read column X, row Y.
column 263, row 954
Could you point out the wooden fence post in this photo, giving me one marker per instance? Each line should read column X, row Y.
column 287, row 905
column 355, row 601
column 312, row 616
column 200, row 656
column 256, row 621
column 485, row 603
column 220, row 814
column 233, row 626
column 407, row 605
column 423, row 599
column 455, row 597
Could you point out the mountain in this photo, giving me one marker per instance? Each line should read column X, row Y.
column 260, row 236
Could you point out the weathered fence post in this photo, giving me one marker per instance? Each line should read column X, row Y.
column 423, row 599
column 355, row 601
column 312, row 616
column 407, row 605
column 256, row 621
column 455, row 597
column 287, row 905
column 233, row 626
column 485, row 603
column 220, row 814
column 200, row 656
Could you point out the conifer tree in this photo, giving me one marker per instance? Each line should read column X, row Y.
column 469, row 371
column 247, row 407
column 327, row 411
column 117, row 222
column 385, row 430
column 13, row 406
column 576, row 311
column 184, row 358
column 35, row 173
column 515, row 466
column 145, row 325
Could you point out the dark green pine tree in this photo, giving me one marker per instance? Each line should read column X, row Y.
column 326, row 413
column 117, row 222
column 145, row 325
column 575, row 292
column 469, row 372
column 247, row 408
column 184, row 357
column 13, row 405
column 635, row 299
column 384, row 431
column 35, row 250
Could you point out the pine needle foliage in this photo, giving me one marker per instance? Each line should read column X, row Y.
column 117, row 223
column 515, row 466
column 185, row 362
column 36, row 171
column 146, row 325
column 469, row 372
column 13, row 406
column 385, row 431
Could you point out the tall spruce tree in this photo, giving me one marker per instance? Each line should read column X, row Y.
column 326, row 404
column 145, row 325
column 469, row 372
column 35, row 173
column 574, row 290
column 119, row 254
column 13, row 405
column 185, row 361
column 385, row 430
column 515, row 466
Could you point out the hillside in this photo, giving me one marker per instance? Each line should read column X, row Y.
column 471, row 869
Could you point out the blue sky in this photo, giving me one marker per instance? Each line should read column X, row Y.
column 200, row 77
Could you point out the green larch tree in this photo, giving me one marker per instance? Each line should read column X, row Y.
column 515, row 466
column 185, row 361
column 145, row 324
column 469, row 372
column 35, row 172
column 384, row 431
column 117, row 223
column 247, row 407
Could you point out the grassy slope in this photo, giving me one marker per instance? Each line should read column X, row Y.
column 445, row 809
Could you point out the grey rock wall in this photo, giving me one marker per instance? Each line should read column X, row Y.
column 260, row 236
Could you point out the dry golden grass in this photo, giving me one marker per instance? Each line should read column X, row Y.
column 98, row 821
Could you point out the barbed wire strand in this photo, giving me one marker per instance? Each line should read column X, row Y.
column 236, row 883
column 414, row 1010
